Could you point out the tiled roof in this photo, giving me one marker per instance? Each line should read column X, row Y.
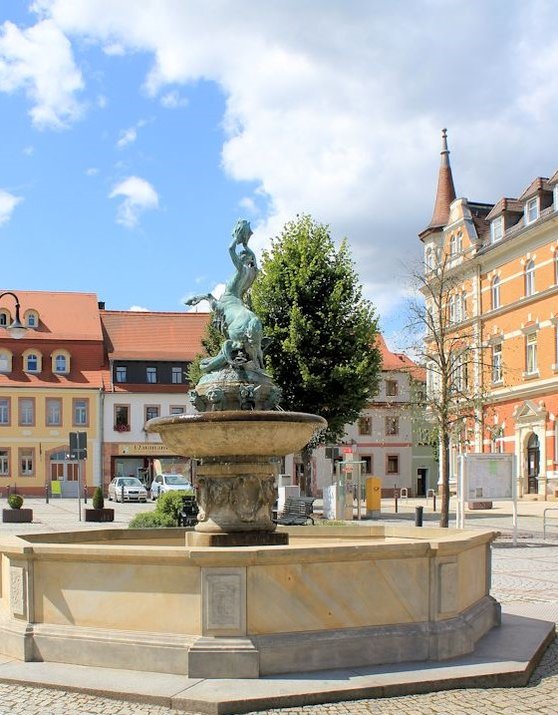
column 398, row 361
column 445, row 191
column 62, row 316
column 539, row 184
column 142, row 335
column 505, row 204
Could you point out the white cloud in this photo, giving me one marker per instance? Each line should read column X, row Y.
column 127, row 136
column 204, row 306
column 139, row 195
column 336, row 108
column 248, row 204
column 138, row 309
column 28, row 150
column 39, row 61
column 172, row 100
column 92, row 171
column 8, row 202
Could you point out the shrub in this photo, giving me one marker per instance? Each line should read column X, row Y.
column 15, row 501
column 98, row 499
column 151, row 520
column 170, row 504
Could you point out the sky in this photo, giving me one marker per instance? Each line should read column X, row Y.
column 136, row 132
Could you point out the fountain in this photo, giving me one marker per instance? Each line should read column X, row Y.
column 236, row 597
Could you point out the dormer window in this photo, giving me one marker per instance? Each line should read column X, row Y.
column 5, row 318
column 456, row 244
column 31, row 319
column 532, row 210
column 60, row 362
column 497, row 229
column 5, row 361
column 32, row 362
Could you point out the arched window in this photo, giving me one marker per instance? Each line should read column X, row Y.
column 5, row 361
column 530, row 278
column 60, row 362
column 5, row 318
column 31, row 319
column 495, row 292
column 32, row 361
column 429, row 259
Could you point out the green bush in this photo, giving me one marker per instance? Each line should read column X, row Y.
column 170, row 504
column 15, row 501
column 98, row 499
column 150, row 520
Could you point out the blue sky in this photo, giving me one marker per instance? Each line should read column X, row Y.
column 136, row 132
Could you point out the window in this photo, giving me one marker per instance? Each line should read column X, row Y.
column 497, row 363
column 31, row 319
column 497, row 229
column 392, row 426
column 530, row 278
column 81, row 416
column 463, row 307
column 531, row 210
column 5, row 411
column 4, row 462
column 367, row 466
column 391, row 388
column 26, row 411
column 121, row 418
column 121, row 373
column 460, row 373
column 5, row 361
column 456, row 244
column 53, row 412
column 151, row 411
column 365, row 425
column 495, row 292
column 452, row 317
column 429, row 260
column 27, row 462
column 497, row 441
column 176, row 410
column 31, row 363
column 531, row 354
column 177, row 375
column 4, row 318
column 392, row 466
column 151, row 374
column 60, row 363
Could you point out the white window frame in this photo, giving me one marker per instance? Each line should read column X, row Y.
column 497, row 229
column 531, row 354
column 495, row 292
column 5, row 405
column 531, row 210
column 497, row 373
column 151, row 371
column 119, row 371
column 176, row 372
column 58, row 357
column 530, row 278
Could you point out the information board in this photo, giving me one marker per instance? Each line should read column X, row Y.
column 487, row 477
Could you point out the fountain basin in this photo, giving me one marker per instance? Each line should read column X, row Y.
column 332, row 598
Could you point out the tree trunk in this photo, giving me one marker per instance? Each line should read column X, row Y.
column 306, row 482
column 445, row 463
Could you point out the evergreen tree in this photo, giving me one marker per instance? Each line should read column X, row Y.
column 322, row 352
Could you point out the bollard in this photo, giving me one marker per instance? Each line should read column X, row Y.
column 396, row 498
column 434, row 502
column 85, row 494
column 46, row 493
column 418, row 515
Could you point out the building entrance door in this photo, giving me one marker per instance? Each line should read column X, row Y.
column 533, row 460
column 65, row 471
column 421, row 482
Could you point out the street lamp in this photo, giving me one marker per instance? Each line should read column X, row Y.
column 16, row 329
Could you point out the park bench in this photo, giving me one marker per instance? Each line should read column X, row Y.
column 189, row 514
column 296, row 512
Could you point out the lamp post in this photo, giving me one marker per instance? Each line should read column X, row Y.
column 16, row 329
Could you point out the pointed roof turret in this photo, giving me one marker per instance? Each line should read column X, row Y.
column 445, row 192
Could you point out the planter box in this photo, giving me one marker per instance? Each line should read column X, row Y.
column 99, row 514
column 17, row 516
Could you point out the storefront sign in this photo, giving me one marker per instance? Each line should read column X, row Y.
column 143, row 448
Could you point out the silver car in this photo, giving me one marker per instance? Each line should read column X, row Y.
column 127, row 489
column 169, row 483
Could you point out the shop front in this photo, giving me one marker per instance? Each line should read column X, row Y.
column 142, row 460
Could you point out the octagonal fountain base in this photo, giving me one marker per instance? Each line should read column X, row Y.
column 333, row 598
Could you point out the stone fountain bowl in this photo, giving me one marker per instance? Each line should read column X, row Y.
column 237, row 432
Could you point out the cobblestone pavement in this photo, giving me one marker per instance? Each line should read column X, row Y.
column 527, row 572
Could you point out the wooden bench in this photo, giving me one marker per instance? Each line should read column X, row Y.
column 296, row 512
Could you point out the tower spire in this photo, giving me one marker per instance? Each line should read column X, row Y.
column 445, row 192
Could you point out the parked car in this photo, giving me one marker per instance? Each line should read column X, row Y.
column 126, row 489
column 168, row 483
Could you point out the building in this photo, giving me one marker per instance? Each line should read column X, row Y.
column 51, row 383
column 147, row 355
column 503, row 260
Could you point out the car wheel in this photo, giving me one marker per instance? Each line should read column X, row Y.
column 109, row 497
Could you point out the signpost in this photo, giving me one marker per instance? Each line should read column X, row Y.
column 78, row 451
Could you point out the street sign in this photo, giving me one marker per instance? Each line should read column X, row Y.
column 78, row 445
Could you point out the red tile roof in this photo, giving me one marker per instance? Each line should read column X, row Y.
column 62, row 316
column 142, row 335
column 505, row 204
column 538, row 184
column 445, row 192
column 398, row 361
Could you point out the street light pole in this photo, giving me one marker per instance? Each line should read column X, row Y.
column 16, row 329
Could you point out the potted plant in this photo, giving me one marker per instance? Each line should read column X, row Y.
column 98, row 512
column 15, row 514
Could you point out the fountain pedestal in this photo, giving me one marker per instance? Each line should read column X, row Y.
column 238, row 455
